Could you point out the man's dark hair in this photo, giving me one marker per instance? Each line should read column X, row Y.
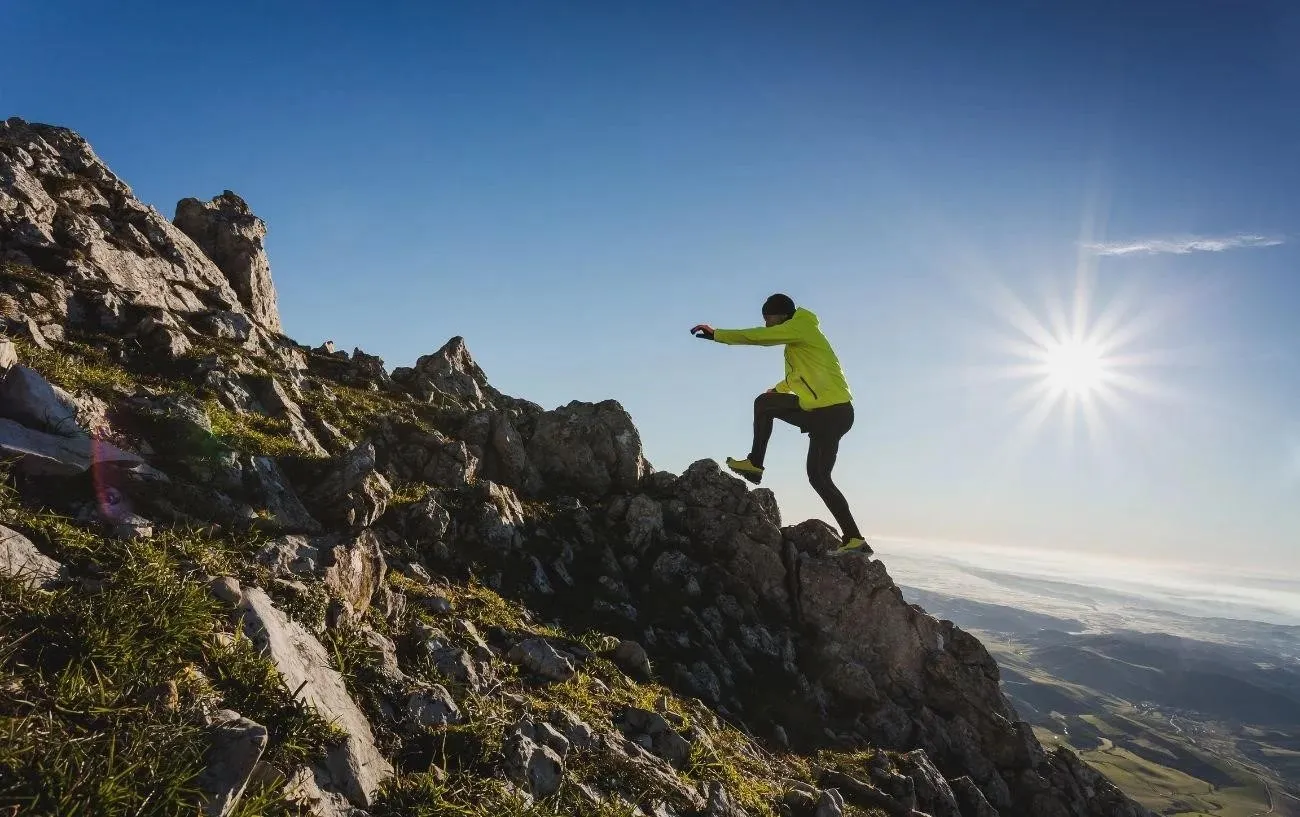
column 778, row 304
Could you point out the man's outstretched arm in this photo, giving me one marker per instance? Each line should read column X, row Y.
column 778, row 335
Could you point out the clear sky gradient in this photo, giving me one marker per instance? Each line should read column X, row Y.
column 571, row 186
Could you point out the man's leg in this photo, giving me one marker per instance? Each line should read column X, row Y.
column 823, row 448
column 769, row 407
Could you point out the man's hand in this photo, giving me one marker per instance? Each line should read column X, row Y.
column 702, row 330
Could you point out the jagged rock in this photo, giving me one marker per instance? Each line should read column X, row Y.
column 800, row 801
column 174, row 423
column 355, row 767
column 1071, row 783
column 28, row 398
column 354, row 493
column 351, row 566
column 162, row 335
column 225, row 325
column 20, row 559
column 124, row 525
column 496, row 519
column 391, row 604
column 90, row 226
column 426, row 522
column 382, row 647
column 228, row 232
column 540, row 658
column 52, row 455
column 450, row 371
column 540, row 581
column 645, row 522
column 588, row 449
column 660, row 737
column 864, row 794
column 933, row 795
column 430, row 457
column 536, row 767
column 229, row 390
column 237, row 745
column 277, row 401
column 433, row 706
column 675, row 570
column 970, row 799
column 268, row 488
column 499, row 446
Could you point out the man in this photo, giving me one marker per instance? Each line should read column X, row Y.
column 814, row 396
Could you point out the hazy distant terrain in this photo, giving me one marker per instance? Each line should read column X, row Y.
column 1191, row 714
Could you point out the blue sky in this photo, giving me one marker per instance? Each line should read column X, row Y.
column 571, row 186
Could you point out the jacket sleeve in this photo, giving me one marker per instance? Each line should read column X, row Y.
column 778, row 335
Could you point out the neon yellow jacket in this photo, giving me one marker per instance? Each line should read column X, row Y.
column 812, row 369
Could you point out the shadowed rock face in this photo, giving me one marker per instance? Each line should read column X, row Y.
column 694, row 577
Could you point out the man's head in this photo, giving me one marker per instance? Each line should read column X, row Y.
column 777, row 309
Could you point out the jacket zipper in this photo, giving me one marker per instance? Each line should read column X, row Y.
column 810, row 388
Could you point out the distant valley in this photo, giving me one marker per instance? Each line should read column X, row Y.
column 1191, row 715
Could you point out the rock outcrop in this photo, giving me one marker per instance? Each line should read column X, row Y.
column 226, row 229
column 407, row 552
column 63, row 210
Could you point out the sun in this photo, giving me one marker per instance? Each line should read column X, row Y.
column 1076, row 367
column 1092, row 368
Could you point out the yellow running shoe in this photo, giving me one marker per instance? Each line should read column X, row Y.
column 855, row 544
column 746, row 469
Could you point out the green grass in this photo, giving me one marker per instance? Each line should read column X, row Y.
column 252, row 433
column 1169, row 791
column 1162, row 788
column 356, row 412
column 83, row 669
column 77, row 367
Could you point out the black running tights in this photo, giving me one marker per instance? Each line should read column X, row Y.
column 824, row 427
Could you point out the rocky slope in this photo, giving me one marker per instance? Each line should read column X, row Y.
column 278, row 579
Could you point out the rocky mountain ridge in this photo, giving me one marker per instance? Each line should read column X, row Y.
column 468, row 586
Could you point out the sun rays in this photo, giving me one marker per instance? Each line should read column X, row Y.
column 1090, row 369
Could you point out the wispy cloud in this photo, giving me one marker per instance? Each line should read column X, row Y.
column 1183, row 245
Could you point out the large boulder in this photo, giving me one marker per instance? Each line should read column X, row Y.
column 588, row 448
column 228, row 232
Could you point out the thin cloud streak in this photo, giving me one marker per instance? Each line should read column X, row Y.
column 1182, row 246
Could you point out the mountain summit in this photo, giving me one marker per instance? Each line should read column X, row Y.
column 242, row 572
